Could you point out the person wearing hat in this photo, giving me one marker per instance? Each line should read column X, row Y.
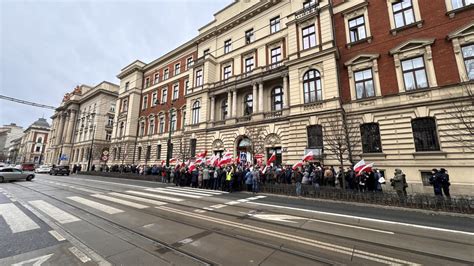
column 435, row 182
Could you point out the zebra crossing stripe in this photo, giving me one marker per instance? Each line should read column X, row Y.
column 172, row 193
column 120, row 201
column 98, row 206
column 155, row 202
column 186, row 192
column 206, row 191
column 54, row 212
column 153, row 195
column 16, row 219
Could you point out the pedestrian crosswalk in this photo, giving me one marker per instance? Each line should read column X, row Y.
column 16, row 219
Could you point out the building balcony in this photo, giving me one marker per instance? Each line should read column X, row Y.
column 307, row 11
column 244, row 119
column 273, row 114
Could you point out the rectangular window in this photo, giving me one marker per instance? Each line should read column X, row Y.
column 403, row 13
column 461, row 3
column 199, row 78
column 183, row 117
column 110, row 121
column 249, row 64
column 166, row 74
column 127, row 85
column 154, row 99
column 227, row 46
column 370, row 135
column 189, row 63
column 364, row 83
column 112, row 108
column 139, row 153
column 145, row 102
column 147, row 82
column 249, row 36
column 275, row 55
column 357, row 29
column 206, row 52
column 227, row 71
column 309, row 37
column 425, row 178
column 108, row 136
column 414, row 74
column 158, row 152
column 142, row 128
column 315, row 136
column 175, row 91
column 148, row 152
column 192, row 147
column 164, row 96
column 275, row 24
column 309, row 4
column 162, row 125
column 424, row 134
column 157, row 78
column 468, row 56
column 173, row 121
column 177, row 69
column 186, row 86
column 151, row 127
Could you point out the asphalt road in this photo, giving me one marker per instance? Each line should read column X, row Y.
column 92, row 220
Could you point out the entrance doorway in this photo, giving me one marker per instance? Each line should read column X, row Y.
column 244, row 150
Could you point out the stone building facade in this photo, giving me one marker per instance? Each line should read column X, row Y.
column 33, row 143
column 82, row 122
column 8, row 133
column 381, row 80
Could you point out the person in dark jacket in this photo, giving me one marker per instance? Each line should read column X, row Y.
column 399, row 183
column 299, row 180
column 443, row 178
column 435, row 182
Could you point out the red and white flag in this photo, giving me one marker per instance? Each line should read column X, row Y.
column 191, row 168
column 198, row 161
column 367, row 168
column 202, row 154
column 226, row 159
column 296, row 165
column 172, row 160
column 271, row 159
column 307, row 157
column 359, row 165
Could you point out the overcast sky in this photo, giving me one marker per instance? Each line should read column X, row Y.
column 49, row 47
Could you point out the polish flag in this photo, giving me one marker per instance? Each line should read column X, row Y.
column 162, row 162
column 202, row 154
column 359, row 165
column 226, row 159
column 367, row 168
column 191, row 168
column 208, row 161
column 307, row 157
column 198, row 161
column 296, row 165
column 214, row 160
column 237, row 159
column 271, row 159
column 173, row 160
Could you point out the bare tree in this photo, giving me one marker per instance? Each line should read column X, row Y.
column 341, row 137
column 462, row 129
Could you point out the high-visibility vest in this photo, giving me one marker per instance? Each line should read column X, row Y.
column 229, row 176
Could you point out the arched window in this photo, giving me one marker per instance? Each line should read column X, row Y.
column 40, row 140
column 248, row 104
column 277, row 99
column 312, row 86
column 224, row 109
column 161, row 127
column 195, row 114
column 151, row 127
column 121, row 129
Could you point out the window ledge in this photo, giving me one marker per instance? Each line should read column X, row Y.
column 430, row 154
column 418, row 24
column 453, row 12
column 374, row 155
column 365, row 40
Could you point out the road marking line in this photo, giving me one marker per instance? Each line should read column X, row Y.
column 243, row 200
column 155, row 202
column 79, row 254
column 154, row 196
column 232, row 203
column 87, row 190
column 172, row 193
column 96, row 205
column 120, row 201
column 185, row 192
column 208, row 208
column 16, row 219
column 37, row 261
column 199, row 210
column 199, row 190
column 57, row 235
column 54, row 212
column 366, row 219
column 328, row 246
column 218, row 206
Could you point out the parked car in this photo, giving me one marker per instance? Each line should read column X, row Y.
column 59, row 170
column 28, row 167
column 12, row 173
column 43, row 169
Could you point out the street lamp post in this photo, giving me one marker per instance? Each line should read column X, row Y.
column 168, row 150
column 90, row 149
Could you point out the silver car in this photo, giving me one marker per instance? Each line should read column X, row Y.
column 11, row 173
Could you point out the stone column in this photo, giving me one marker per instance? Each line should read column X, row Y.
column 286, row 96
column 229, row 104
column 254, row 96
column 59, row 133
column 213, row 104
column 70, row 127
column 260, row 97
column 234, row 103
